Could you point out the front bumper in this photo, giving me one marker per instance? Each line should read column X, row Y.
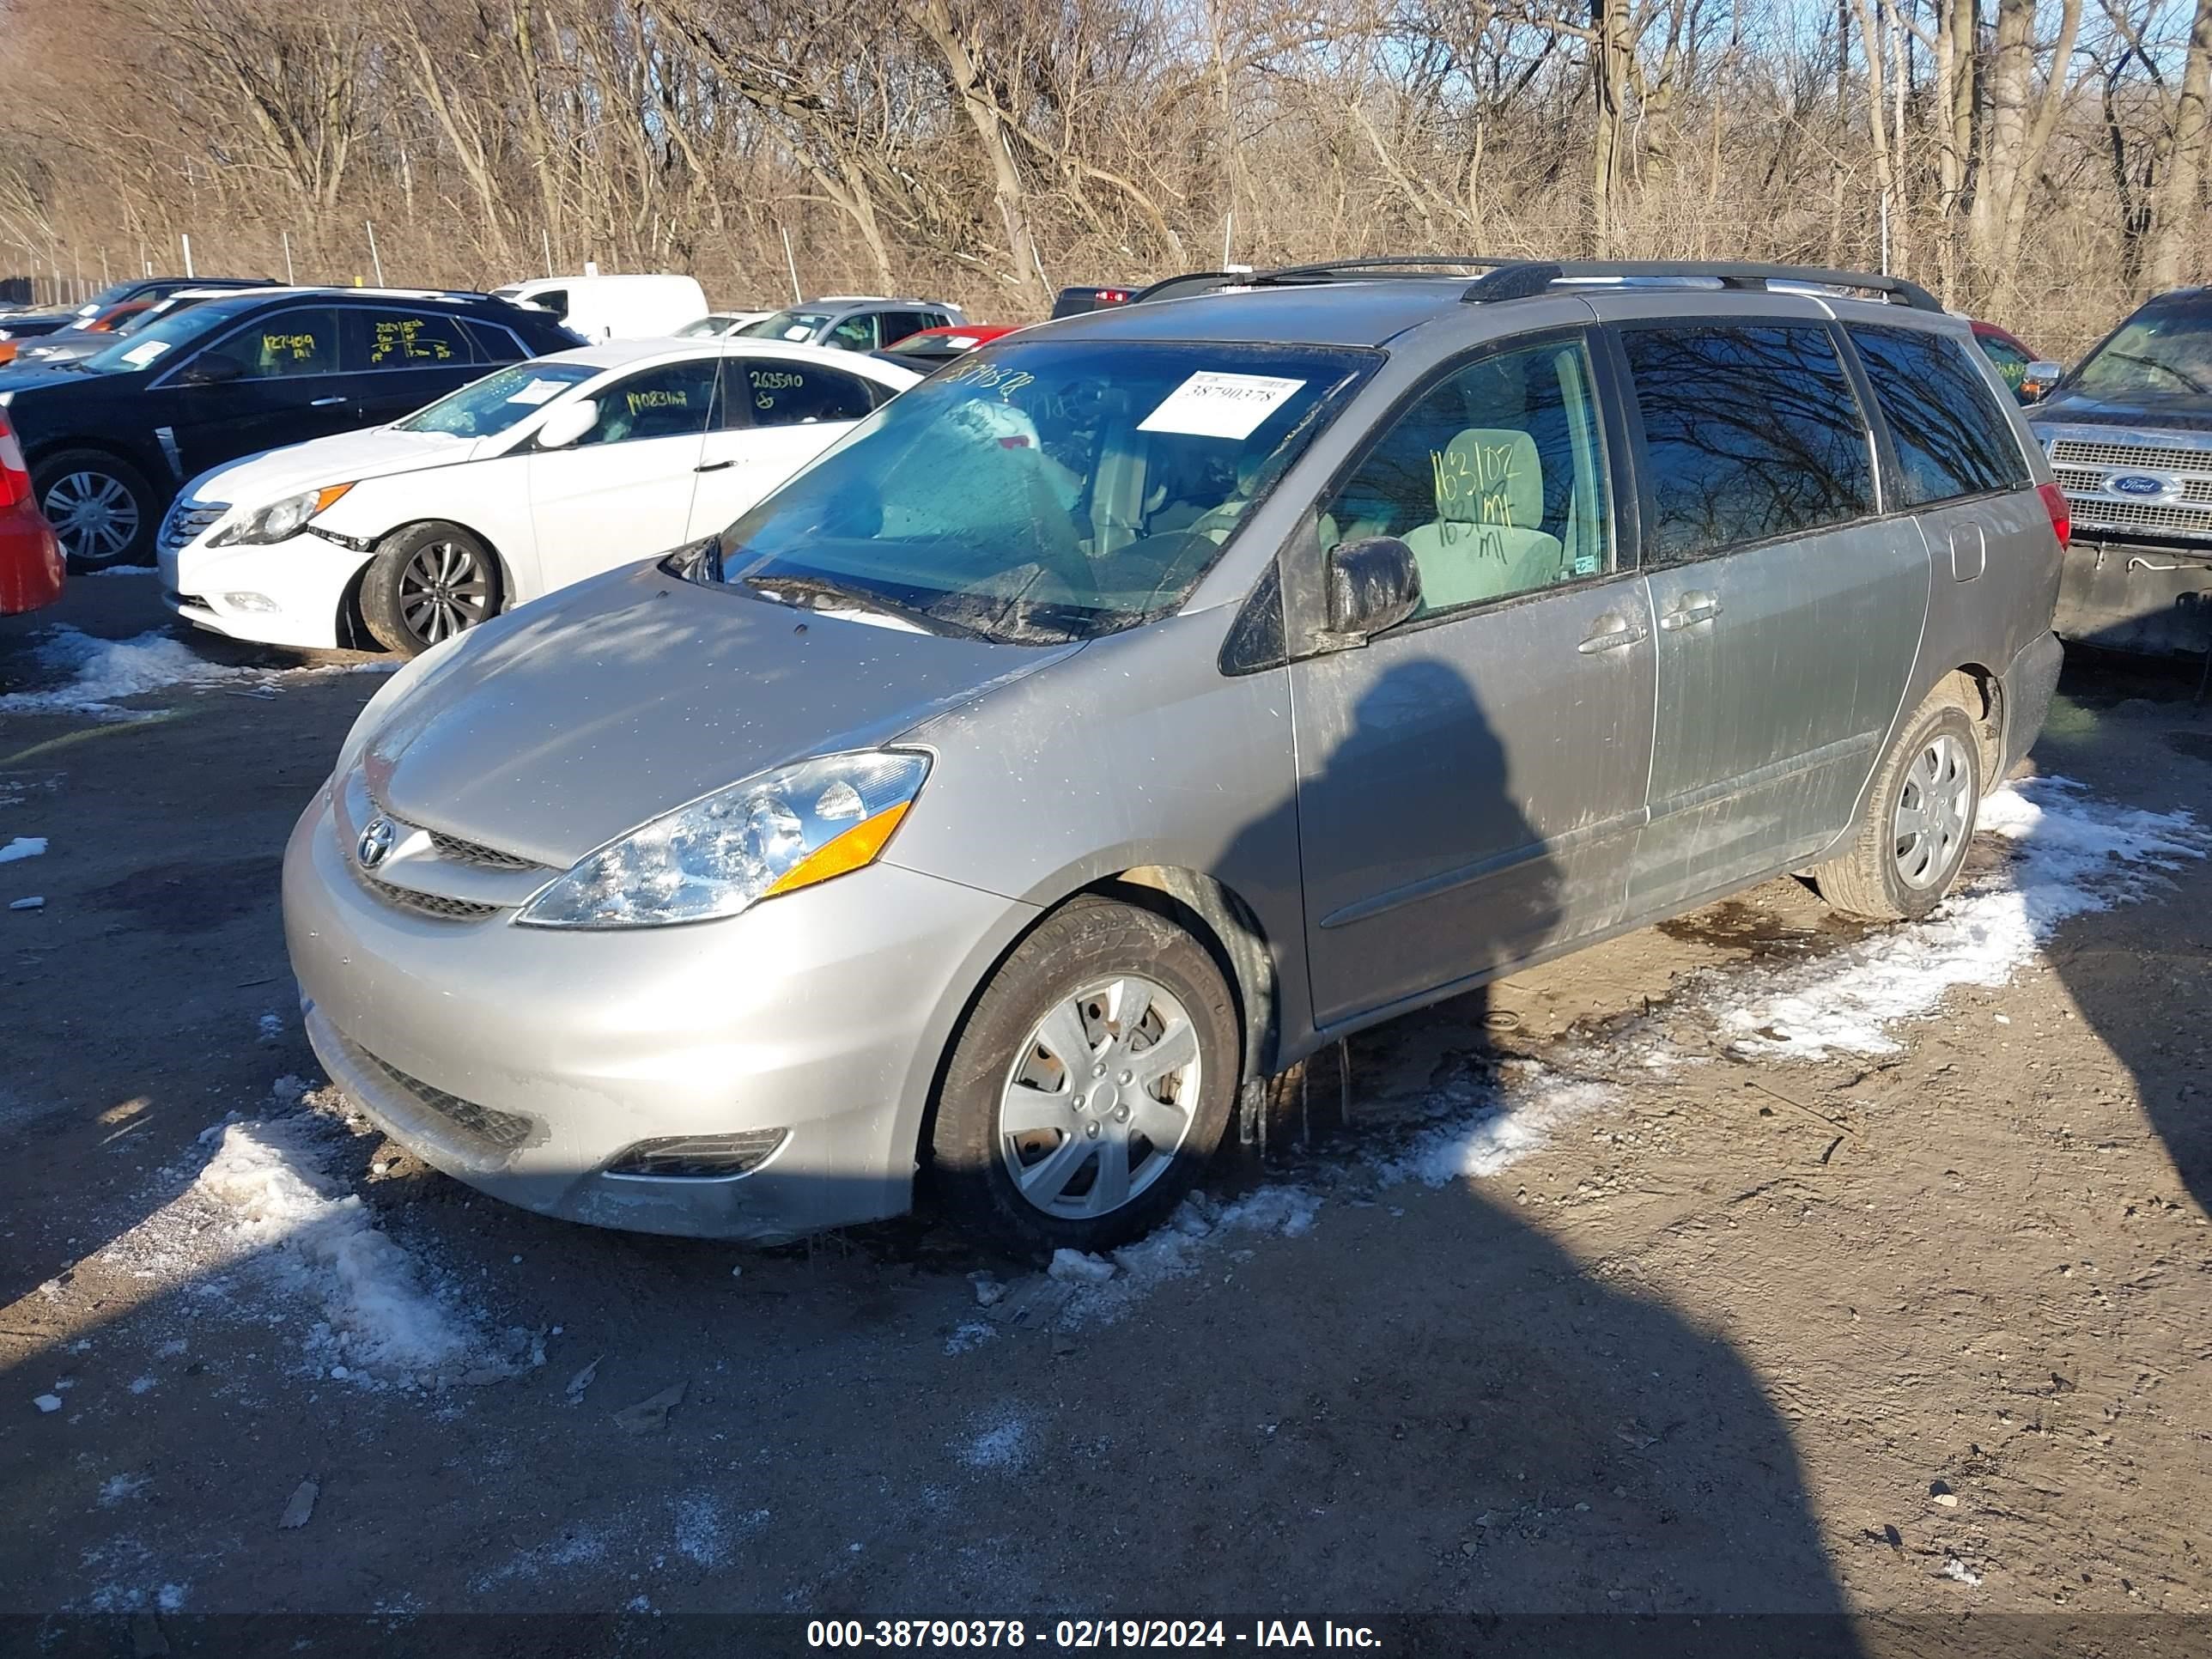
column 524, row 1061
column 303, row 580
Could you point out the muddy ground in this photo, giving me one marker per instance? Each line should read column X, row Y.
column 1912, row 1334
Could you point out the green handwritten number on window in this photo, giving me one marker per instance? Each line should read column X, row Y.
column 403, row 337
column 275, row 347
column 660, row 397
column 768, row 382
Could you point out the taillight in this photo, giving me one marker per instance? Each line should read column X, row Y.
column 2062, row 516
column 14, row 477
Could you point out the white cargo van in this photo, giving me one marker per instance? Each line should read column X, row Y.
column 613, row 307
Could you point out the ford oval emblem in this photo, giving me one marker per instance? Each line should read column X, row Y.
column 375, row 843
column 2137, row 484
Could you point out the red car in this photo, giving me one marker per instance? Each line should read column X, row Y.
column 2013, row 359
column 928, row 348
column 30, row 558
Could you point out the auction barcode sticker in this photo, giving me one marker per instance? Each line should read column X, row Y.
column 1211, row 404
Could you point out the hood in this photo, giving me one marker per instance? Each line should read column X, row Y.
column 344, row 457
column 2179, row 410
column 22, row 376
column 559, row 726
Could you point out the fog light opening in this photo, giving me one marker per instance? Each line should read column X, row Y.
column 699, row 1157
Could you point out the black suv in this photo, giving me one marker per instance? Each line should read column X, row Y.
column 112, row 438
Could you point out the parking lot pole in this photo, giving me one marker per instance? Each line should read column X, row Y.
column 185, row 238
column 375, row 259
column 286, row 236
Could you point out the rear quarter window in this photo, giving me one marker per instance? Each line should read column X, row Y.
column 1752, row 431
column 1950, row 434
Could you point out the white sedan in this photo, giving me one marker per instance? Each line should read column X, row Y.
column 525, row 481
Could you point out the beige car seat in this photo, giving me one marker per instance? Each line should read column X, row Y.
column 1484, row 543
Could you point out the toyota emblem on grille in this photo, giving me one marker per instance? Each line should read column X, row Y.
column 375, row 843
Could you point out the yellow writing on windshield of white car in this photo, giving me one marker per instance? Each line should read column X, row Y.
column 767, row 382
column 659, row 397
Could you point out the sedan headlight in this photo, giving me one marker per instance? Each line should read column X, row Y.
column 280, row 520
column 773, row 834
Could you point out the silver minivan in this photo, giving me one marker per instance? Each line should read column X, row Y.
column 1148, row 699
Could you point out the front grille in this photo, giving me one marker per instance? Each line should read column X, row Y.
column 470, row 852
column 188, row 520
column 2139, row 515
column 507, row 1132
column 2074, row 479
column 2081, row 452
column 428, row 904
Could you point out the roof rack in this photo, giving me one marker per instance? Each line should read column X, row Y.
column 1522, row 278
column 1519, row 279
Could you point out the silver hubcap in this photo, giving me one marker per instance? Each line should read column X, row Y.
column 1098, row 1102
column 93, row 514
column 444, row 589
column 1933, row 811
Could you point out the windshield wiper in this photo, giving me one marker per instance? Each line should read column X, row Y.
column 2163, row 368
column 824, row 593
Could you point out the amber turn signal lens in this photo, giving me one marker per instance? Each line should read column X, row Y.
column 854, row 849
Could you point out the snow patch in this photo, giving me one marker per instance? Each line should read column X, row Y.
column 1001, row 1444
column 102, row 672
column 117, row 1487
column 271, row 1175
column 22, row 847
column 1502, row 1120
column 705, row 1532
column 2072, row 854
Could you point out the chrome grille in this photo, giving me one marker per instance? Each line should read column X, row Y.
column 2138, row 515
column 2083, row 452
column 423, row 904
column 188, row 520
column 470, row 852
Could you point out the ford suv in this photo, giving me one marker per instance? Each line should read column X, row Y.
column 1151, row 698
column 2129, row 432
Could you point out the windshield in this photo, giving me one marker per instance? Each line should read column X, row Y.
column 146, row 346
column 705, row 328
column 787, row 325
column 1044, row 492
column 2162, row 348
column 498, row 401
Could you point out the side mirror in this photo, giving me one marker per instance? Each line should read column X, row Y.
column 1373, row 584
column 2038, row 378
column 211, row 371
column 568, row 423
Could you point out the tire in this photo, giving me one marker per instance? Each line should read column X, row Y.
column 427, row 583
column 1078, row 965
column 1911, row 844
column 101, row 507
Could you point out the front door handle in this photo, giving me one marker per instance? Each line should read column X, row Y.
column 1694, row 609
column 1612, row 632
column 325, row 402
column 713, row 466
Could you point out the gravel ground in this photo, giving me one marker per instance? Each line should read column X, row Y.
column 1750, row 1264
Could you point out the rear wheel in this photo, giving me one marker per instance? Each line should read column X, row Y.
column 1090, row 1083
column 102, row 507
column 428, row 583
column 1912, row 840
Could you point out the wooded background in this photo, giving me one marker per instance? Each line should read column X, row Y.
column 2040, row 162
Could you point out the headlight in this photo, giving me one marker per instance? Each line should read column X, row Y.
column 773, row 834
column 280, row 520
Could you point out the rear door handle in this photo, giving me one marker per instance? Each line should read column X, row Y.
column 325, row 402
column 713, row 466
column 1694, row 609
column 1612, row 632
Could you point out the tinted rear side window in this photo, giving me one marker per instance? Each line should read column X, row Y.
column 1951, row 436
column 1751, row 430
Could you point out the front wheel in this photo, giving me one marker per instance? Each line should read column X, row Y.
column 428, row 583
column 1911, row 841
column 1090, row 1083
column 102, row 509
